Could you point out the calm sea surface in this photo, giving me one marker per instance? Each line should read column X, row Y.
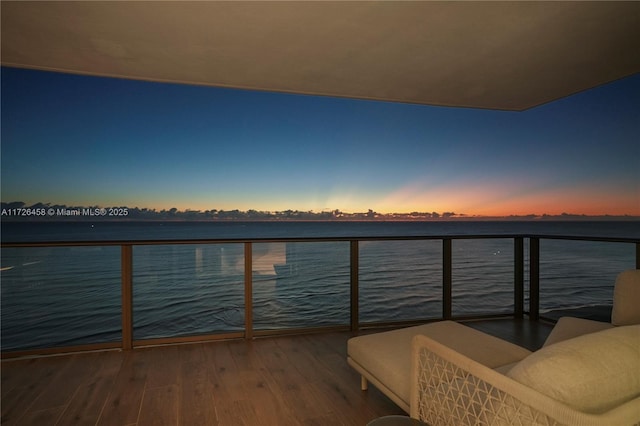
column 71, row 295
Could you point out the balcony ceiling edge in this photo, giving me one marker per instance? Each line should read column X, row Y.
column 494, row 55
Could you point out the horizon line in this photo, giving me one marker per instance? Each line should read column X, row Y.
column 17, row 210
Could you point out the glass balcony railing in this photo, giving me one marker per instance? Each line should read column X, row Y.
column 301, row 284
column 400, row 280
column 119, row 294
column 60, row 296
column 575, row 273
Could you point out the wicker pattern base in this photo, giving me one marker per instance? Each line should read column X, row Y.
column 450, row 389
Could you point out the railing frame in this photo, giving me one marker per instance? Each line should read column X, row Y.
column 447, row 278
column 534, row 278
column 518, row 277
column 127, row 295
column 354, row 285
column 248, row 290
column 126, row 248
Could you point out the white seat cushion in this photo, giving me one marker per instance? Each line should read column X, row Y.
column 387, row 355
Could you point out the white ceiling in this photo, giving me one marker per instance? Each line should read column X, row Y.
column 501, row 55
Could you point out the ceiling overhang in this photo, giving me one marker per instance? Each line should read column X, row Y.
column 497, row 55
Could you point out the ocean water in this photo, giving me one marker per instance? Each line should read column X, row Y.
column 71, row 295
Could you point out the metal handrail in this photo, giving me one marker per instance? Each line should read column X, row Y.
column 5, row 244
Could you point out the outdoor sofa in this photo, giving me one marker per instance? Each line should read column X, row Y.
column 445, row 373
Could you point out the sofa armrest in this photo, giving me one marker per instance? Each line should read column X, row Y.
column 449, row 388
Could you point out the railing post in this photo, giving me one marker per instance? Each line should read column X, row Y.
column 447, row 278
column 355, row 286
column 126, row 269
column 534, row 278
column 248, row 290
column 518, row 279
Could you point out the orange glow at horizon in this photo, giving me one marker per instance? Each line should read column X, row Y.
column 481, row 199
column 536, row 206
column 502, row 201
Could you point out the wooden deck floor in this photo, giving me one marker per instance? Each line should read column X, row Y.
column 276, row 381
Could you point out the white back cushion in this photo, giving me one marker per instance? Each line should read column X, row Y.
column 592, row 373
column 626, row 298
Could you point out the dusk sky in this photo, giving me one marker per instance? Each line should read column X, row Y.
column 77, row 140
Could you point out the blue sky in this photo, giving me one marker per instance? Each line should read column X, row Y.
column 79, row 140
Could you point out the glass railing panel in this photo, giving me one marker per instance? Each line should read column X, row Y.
column 185, row 290
column 60, row 296
column 482, row 276
column 400, row 280
column 577, row 277
column 300, row 285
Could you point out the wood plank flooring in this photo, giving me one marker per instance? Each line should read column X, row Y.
column 297, row 380
column 275, row 381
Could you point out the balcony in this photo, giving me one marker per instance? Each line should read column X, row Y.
column 266, row 368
